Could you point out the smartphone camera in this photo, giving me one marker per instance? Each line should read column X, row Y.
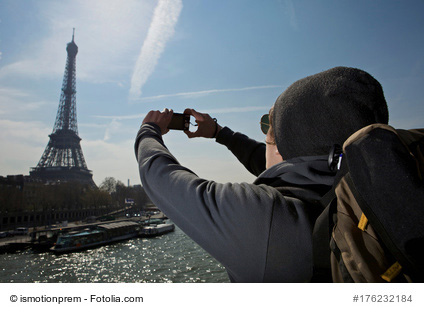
column 180, row 121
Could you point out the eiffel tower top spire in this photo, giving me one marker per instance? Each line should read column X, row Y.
column 66, row 118
column 72, row 48
column 63, row 159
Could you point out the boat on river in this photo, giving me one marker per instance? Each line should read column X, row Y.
column 152, row 221
column 43, row 240
column 94, row 237
column 156, row 230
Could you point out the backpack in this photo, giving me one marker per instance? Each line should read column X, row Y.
column 372, row 227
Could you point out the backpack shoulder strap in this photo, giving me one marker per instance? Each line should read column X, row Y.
column 321, row 244
column 323, row 227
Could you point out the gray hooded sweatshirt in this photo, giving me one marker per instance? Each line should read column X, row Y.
column 260, row 232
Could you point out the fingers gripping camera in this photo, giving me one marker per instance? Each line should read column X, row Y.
column 179, row 121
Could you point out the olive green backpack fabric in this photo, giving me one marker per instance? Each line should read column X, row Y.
column 372, row 228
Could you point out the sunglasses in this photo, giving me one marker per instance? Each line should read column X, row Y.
column 265, row 123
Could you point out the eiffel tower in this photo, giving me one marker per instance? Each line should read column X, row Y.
column 62, row 160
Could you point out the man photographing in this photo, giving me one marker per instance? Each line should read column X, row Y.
column 262, row 231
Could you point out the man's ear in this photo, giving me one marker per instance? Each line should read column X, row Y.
column 277, row 153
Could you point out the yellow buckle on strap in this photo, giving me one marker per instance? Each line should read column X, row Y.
column 363, row 222
column 392, row 272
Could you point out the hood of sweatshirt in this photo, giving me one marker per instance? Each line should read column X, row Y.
column 306, row 178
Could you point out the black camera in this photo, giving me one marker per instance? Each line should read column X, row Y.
column 180, row 121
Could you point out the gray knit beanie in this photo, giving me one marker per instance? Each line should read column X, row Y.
column 318, row 111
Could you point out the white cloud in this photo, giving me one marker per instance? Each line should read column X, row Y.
column 160, row 31
column 239, row 109
column 291, row 13
column 28, row 133
column 122, row 117
column 22, row 145
column 111, row 159
column 111, row 128
column 15, row 101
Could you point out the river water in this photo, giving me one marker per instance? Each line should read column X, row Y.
column 172, row 257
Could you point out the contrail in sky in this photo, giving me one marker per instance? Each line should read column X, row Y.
column 212, row 111
column 205, row 92
column 160, row 31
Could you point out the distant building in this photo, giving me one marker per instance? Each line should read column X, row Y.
column 29, row 202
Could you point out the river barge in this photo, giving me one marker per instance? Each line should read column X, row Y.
column 100, row 235
column 156, row 230
column 43, row 240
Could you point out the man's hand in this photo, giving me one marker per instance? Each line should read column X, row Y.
column 162, row 119
column 207, row 127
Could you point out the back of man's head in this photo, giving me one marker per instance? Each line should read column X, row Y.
column 318, row 111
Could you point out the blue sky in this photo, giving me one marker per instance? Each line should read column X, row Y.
column 229, row 58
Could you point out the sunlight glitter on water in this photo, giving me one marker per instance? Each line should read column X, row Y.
column 169, row 258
